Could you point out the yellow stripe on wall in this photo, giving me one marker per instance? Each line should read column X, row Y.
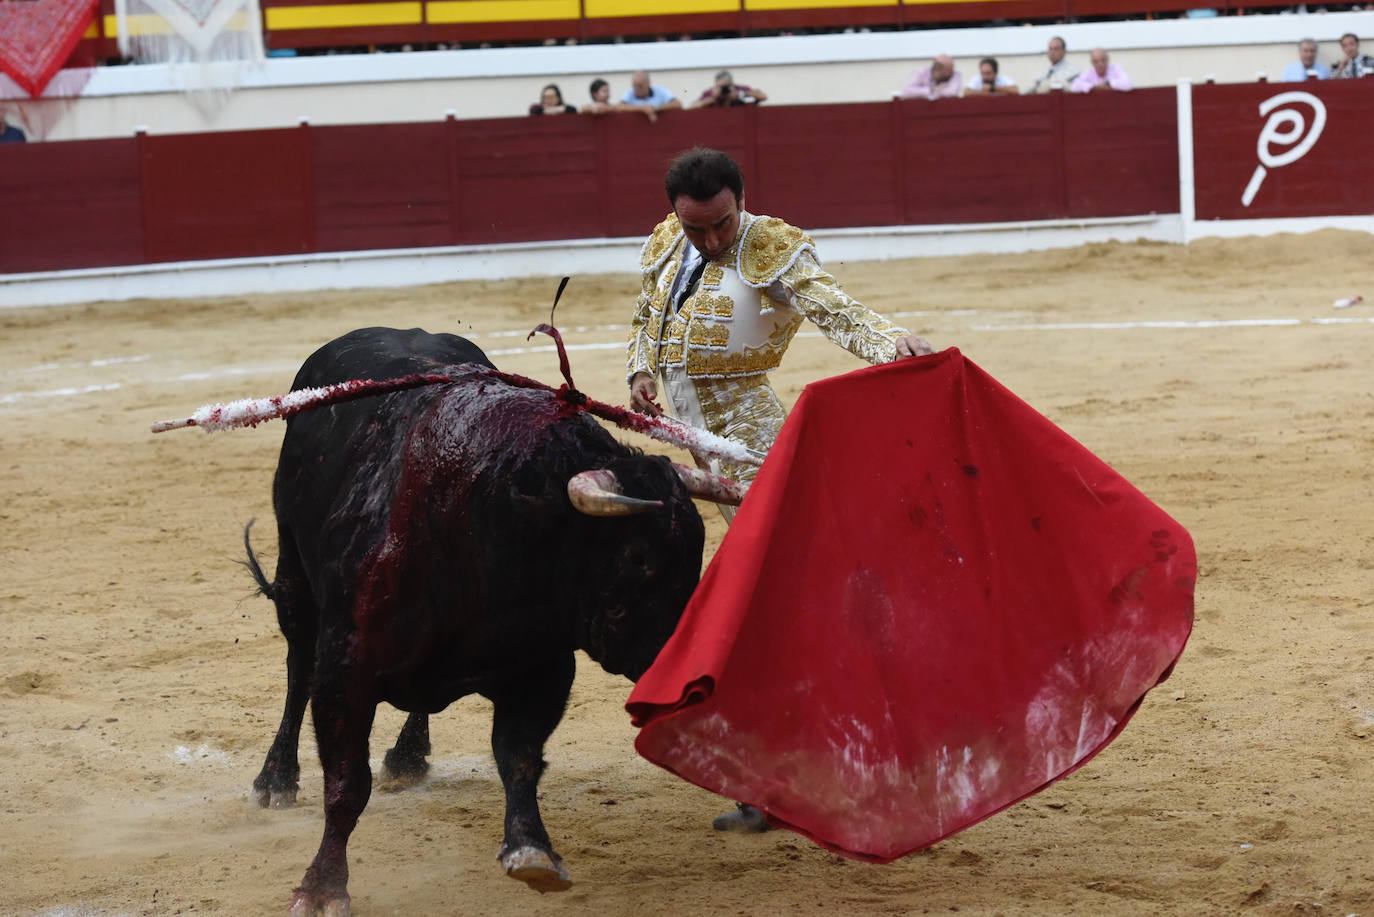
column 153, row 24
column 282, row 18
column 605, row 9
column 814, row 4
column 449, row 11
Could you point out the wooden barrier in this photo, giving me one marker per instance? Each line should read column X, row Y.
column 226, row 195
column 347, row 188
column 70, row 205
column 1302, row 146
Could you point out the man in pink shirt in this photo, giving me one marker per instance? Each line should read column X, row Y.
column 938, row 81
column 1102, row 76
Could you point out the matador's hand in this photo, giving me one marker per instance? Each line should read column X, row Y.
column 911, row 346
column 643, row 391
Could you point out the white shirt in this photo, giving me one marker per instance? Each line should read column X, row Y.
column 1000, row 81
column 690, row 259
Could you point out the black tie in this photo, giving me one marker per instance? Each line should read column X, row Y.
column 691, row 283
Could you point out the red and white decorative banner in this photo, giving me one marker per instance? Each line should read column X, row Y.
column 37, row 37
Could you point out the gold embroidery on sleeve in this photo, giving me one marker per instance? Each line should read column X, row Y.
column 769, row 247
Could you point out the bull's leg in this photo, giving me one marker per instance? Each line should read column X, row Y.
column 526, row 712
column 277, row 783
column 405, row 763
column 342, row 710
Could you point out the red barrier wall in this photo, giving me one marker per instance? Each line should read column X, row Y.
column 526, row 179
column 393, row 184
column 237, row 194
column 226, row 195
column 69, row 205
column 1332, row 177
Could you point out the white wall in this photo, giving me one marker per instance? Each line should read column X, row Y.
column 420, row 86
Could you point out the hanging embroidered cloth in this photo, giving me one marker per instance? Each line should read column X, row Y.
column 932, row 604
column 37, row 37
column 208, row 44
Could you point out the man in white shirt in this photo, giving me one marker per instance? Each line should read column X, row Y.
column 1060, row 74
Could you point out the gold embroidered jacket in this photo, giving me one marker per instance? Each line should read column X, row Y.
column 747, row 306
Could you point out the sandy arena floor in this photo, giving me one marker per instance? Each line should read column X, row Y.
column 141, row 680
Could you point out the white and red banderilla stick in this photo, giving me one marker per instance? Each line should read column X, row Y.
column 249, row 412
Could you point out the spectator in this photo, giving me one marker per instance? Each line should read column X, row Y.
column 9, row 134
column 551, row 103
column 990, row 82
column 1352, row 62
column 644, row 96
column 938, row 81
column 601, row 98
column 726, row 93
column 1305, row 67
column 1102, row 76
column 1061, row 74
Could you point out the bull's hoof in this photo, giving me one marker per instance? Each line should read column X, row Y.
column 394, row 778
column 405, row 762
column 274, row 799
column 308, row 905
column 539, row 869
column 745, row 819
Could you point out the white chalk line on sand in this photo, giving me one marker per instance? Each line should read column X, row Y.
column 227, row 372
column 13, row 397
column 1205, row 323
column 96, row 363
column 623, row 328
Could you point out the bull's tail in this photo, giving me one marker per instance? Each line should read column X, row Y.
column 254, row 567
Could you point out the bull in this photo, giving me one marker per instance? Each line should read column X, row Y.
column 458, row 538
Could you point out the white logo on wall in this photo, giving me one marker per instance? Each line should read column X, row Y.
column 1284, row 127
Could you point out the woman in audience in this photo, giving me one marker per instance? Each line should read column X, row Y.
column 551, row 103
column 601, row 99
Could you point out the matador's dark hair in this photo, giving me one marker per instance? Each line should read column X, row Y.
column 701, row 174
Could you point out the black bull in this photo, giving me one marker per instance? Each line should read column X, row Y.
column 428, row 550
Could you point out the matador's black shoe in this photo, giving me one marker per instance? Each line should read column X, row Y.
column 745, row 818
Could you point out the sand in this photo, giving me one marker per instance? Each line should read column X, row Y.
column 141, row 679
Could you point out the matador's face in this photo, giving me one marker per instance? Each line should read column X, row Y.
column 710, row 225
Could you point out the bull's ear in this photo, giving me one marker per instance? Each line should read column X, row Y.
column 531, row 489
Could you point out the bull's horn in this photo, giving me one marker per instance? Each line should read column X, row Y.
column 598, row 493
column 710, row 486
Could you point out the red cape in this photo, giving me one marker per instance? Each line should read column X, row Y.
column 932, row 603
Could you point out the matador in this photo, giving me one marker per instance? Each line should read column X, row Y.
column 723, row 293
